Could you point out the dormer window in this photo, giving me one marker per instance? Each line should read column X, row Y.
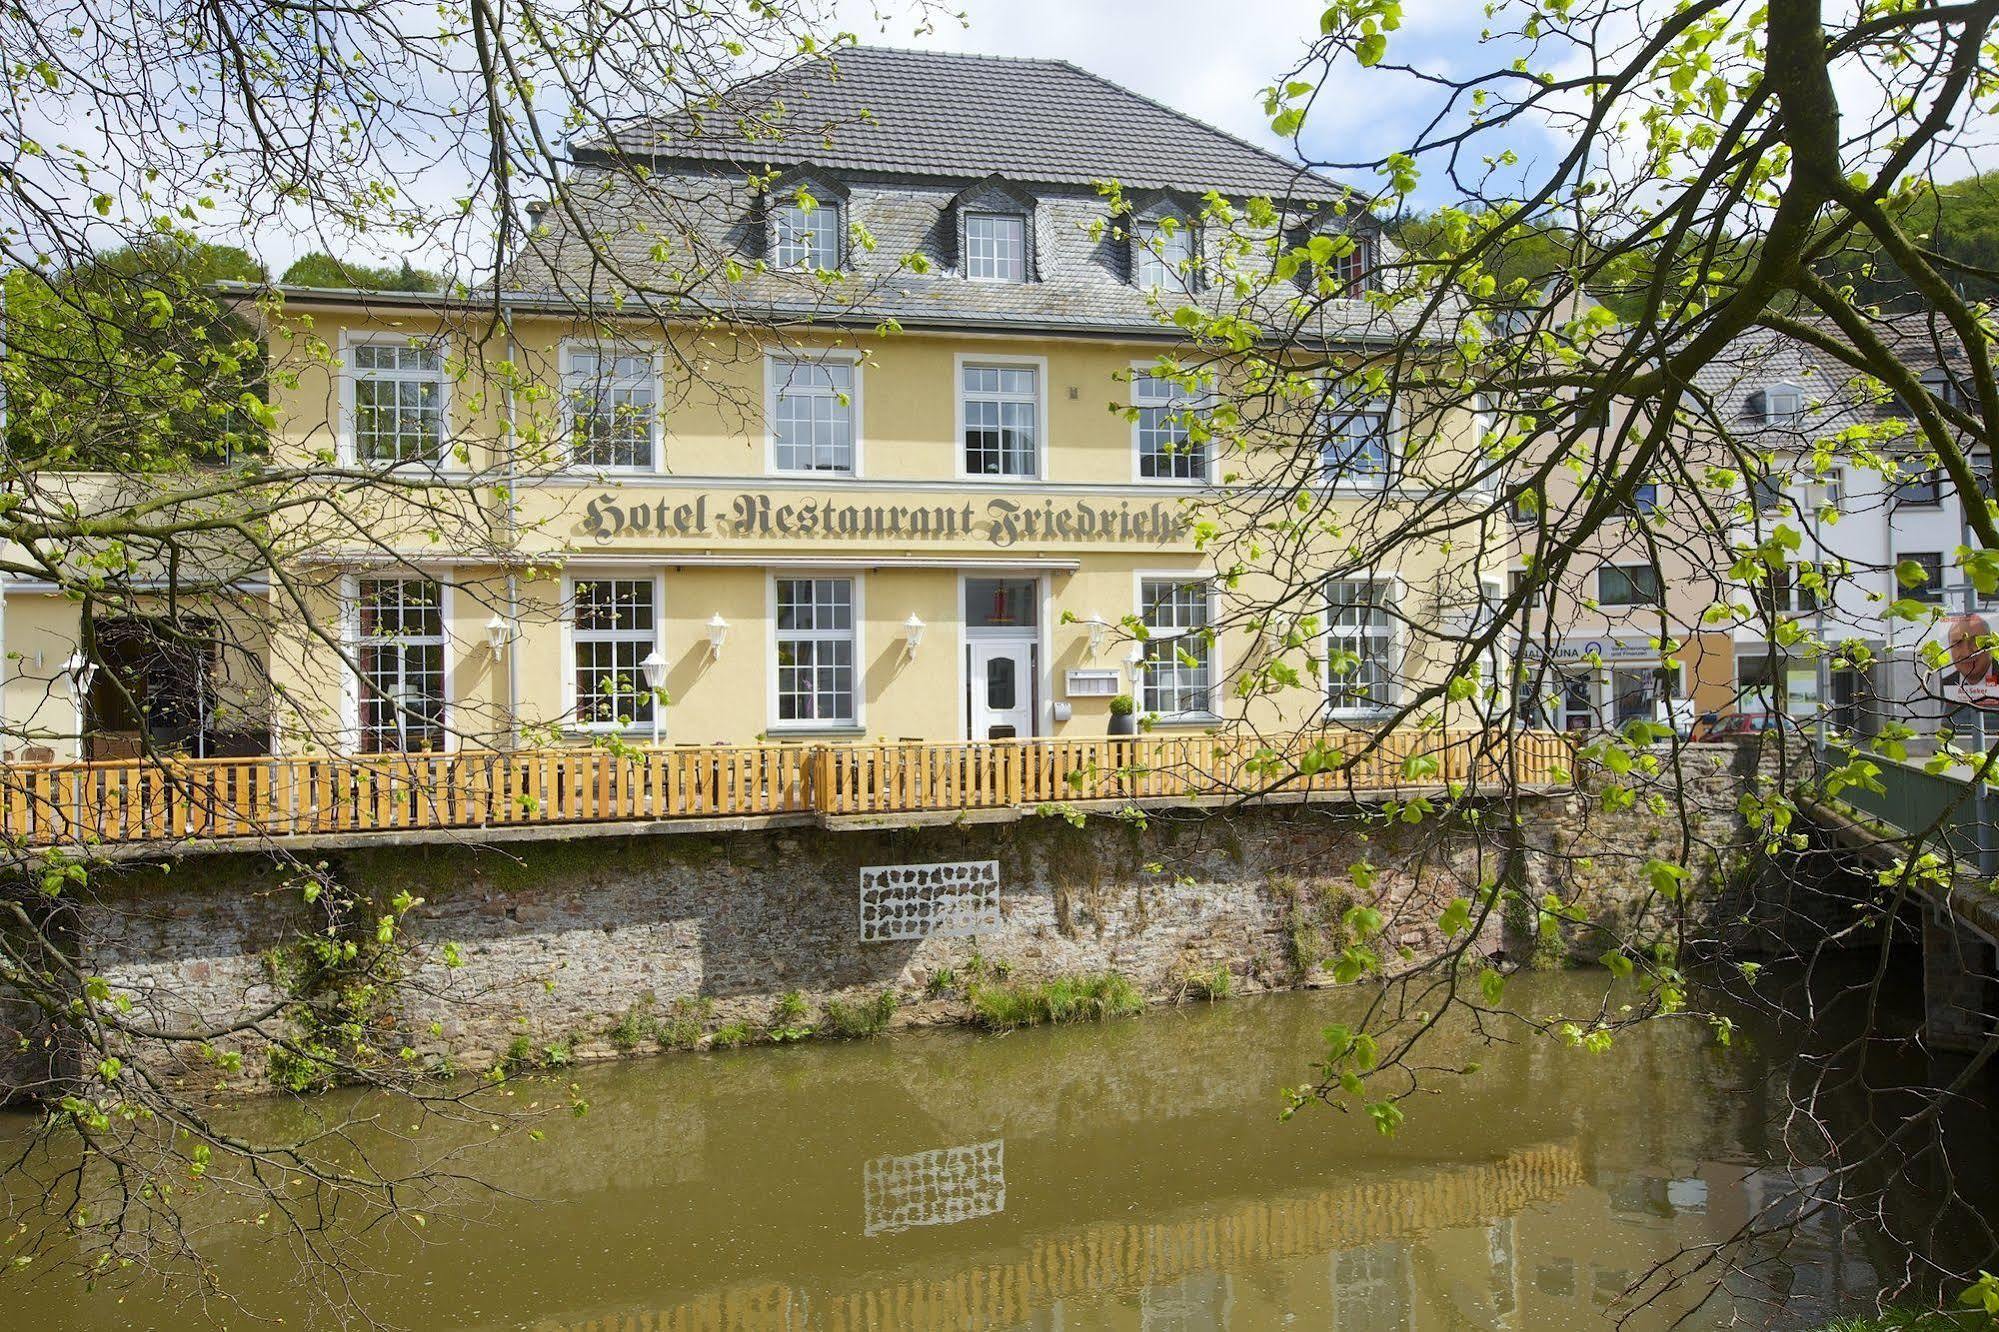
column 1353, row 272
column 803, row 213
column 1162, row 254
column 1778, row 404
column 1340, row 258
column 996, row 247
column 805, row 234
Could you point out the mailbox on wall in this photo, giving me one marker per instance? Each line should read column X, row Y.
column 1091, row 683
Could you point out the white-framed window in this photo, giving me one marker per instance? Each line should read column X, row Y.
column 996, row 247
column 1358, row 447
column 398, row 400
column 612, row 397
column 399, row 648
column 1362, row 652
column 816, row 651
column 813, row 407
column 805, row 238
column 1179, row 649
column 614, row 627
column 1001, row 408
column 1167, row 450
column 1163, row 254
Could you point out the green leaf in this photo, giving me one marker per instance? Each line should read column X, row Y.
column 1456, row 918
column 1665, row 877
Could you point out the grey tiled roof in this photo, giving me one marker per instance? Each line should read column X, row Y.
column 929, row 113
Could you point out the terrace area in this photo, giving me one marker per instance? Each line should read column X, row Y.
column 490, row 794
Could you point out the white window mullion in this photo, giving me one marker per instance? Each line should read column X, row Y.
column 399, row 646
column 1166, row 449
column 1361, row 636
column 1178, row 662
column 398, row 401
column 612, row 397
column 816, row 651
column 812, row 415
column 614, row 627
column 1002, row 412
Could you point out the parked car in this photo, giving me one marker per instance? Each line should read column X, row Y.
column 1739, row 725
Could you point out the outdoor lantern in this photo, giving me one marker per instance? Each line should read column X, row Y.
column 912, row 629
column 498, row 632
column 1099, row 627
column 718, row 634
column 654, row 669
column 1136, row 661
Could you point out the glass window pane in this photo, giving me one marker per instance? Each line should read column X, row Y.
column 1001, row 603
column 1001, row 689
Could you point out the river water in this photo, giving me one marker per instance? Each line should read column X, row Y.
column 1128, row 1175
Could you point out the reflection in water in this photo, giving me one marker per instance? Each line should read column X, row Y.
column 1124, row 1176
column 934, row 1188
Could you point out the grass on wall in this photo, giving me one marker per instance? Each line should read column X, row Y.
column 869, row 1017
column 1084, row 998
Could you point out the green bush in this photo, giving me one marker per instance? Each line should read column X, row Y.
column 870, row 1017
column 943, row 981
column 1086, row 998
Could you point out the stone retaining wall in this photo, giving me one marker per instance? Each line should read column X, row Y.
column 559, row 942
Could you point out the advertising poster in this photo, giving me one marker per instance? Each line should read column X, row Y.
column 1972, row 678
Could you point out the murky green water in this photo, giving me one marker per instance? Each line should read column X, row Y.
column 1124, row 1176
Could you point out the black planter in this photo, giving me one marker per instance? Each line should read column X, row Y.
column 1123, row 723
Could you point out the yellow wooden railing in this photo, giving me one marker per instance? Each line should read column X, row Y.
column 150, row 800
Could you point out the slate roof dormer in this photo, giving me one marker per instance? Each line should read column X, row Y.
column 824, row 187
column 1150, row 207
column 994, row 194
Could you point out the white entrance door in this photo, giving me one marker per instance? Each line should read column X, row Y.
column 1000, row 675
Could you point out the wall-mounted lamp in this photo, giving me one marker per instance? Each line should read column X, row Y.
column 912, row 633
column 81, row 670
column 1099, row 629
column 654, row 669
column 1135, row 663
column 718, row 634
column 499, row 632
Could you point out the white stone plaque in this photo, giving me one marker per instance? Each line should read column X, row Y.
column 954, row 899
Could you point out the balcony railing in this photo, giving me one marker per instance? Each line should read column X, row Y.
column 141, row 801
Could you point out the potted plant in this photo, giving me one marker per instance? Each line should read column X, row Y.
column 1122, row 709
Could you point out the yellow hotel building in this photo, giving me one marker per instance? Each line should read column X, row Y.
column 616, row 493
